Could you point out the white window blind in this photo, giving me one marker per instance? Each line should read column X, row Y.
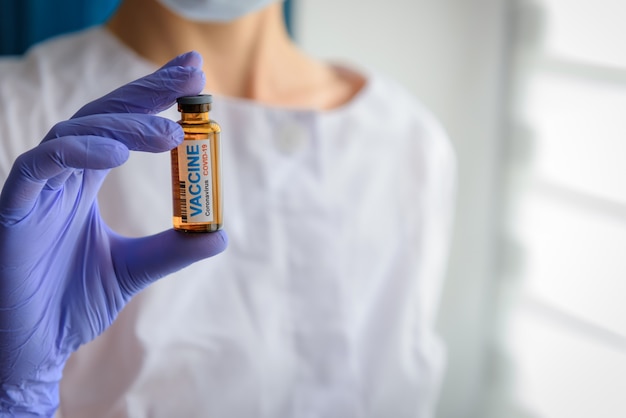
column 565, row 339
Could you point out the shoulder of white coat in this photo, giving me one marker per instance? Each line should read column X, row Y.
column 32, row 95
column 426, row 163
column 60, row 75
column 20, row 110
column 409, row 124
column 52, row 80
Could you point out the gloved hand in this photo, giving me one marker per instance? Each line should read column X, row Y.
column 64, row 275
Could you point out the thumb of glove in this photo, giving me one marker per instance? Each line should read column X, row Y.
column 141, row 261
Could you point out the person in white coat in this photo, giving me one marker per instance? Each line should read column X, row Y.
column 338, row 190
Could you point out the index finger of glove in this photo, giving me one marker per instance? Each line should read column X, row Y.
column 31, row 170
column 155, row 92
column 138, row 132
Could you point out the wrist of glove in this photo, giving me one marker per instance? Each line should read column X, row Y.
column 64, row 275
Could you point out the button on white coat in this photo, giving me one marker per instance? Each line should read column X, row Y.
column 291, row 137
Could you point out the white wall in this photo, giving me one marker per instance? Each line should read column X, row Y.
column 449, row 54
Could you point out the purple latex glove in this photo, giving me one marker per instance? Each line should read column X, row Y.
column 64, row 275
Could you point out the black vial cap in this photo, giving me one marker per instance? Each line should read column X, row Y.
column 195, row 100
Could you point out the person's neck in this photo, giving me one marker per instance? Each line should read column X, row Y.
column 251, row 57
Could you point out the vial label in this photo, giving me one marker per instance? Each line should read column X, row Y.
column 196, row 181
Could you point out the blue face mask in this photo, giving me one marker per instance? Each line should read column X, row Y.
column 214, row 10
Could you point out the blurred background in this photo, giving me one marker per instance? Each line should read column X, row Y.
column 533, row 95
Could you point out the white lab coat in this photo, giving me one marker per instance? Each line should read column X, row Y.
column 325, row 301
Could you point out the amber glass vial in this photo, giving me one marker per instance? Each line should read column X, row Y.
column 196, row 168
